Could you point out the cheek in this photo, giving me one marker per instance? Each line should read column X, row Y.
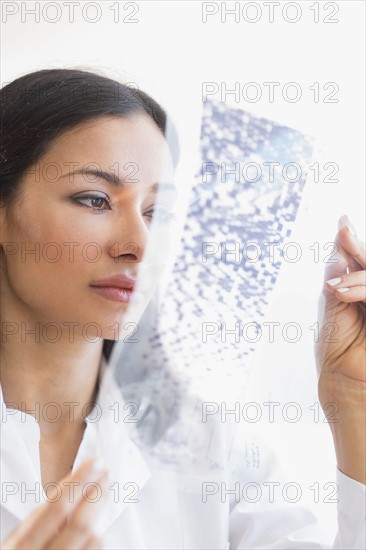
column 53, row 260
column 49, row 262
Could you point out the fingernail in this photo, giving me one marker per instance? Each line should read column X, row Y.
column 345, row 221
column 335, row 281
column 351, row 231
column 342, row 289
column 98, row 467
column 106, row 479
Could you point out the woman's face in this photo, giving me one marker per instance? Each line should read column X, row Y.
column 69, row 230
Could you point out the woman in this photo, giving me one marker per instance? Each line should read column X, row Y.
column 75, row 224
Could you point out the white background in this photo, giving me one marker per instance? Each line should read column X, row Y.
column 169, row 53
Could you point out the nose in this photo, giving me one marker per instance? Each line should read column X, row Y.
column 129, row 238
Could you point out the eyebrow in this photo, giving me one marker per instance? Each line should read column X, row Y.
column 112, row 179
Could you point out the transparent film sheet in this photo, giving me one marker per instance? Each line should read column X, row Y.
column 170, row 359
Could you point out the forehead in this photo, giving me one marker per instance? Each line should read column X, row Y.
column 124, row 145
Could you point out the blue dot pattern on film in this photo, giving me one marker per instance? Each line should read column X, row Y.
column 171, row 359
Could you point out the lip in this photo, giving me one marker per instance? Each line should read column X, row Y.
column 118, row 288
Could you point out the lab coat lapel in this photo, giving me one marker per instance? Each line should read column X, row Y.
column 128, row 469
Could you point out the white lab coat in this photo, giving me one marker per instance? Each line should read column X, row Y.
column 171, row 511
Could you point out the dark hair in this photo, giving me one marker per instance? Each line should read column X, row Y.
column 37, row 107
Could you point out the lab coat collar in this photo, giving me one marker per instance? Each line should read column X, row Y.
column 20, row 471
column 106, row 435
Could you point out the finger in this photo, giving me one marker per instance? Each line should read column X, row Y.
column 351, row 244
column 42, row 524
column 338, row 262
column 80, row 529
column 355, row 278
column 351, row 294
column 349, row 255
column 94, row 543
column 77, row 539
column 15, row 538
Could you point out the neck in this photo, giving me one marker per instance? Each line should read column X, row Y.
column 54, row 382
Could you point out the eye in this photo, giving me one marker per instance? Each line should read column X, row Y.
column 96, row 202
column 161, row 214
